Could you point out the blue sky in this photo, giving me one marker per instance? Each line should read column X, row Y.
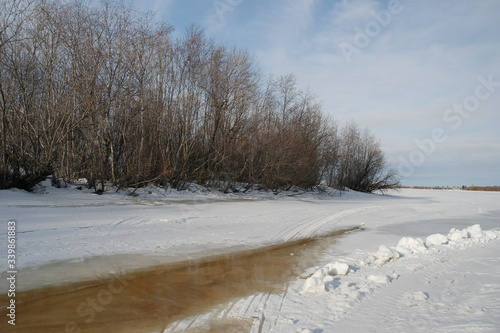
column 423, row 75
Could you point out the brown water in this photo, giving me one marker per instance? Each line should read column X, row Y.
column 150, row 300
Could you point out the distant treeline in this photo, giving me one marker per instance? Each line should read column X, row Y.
column 468, row 188
column 98, row 91
column 431, row 187
column 483, row 188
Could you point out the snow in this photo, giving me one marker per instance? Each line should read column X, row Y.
column 357, row 286
column 473, row 235
column 314, row 285
column 337, row 268
column 414, row 298
column 436, row 239
column 385, row 254
column 426, row 260
column 460, row 281
column 409, row 245
column 380, row 279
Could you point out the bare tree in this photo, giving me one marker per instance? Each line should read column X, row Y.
column 99, row 91
column 362, row 165
column 13, row 15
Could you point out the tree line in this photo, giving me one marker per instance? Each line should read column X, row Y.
column 98, row 91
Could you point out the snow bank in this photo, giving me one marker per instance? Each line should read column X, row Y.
column 322, row 279
column 471, row 235
column 353, row 284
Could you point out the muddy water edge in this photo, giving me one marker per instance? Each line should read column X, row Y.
column 149, row 300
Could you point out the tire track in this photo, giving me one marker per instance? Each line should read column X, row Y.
column 307, row 228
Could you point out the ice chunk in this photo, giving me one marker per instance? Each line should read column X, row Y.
column 338, row 268
column 321, row 273
column 328, row 279
column 455, row 235
column 491, row 234
column 471, row 235
column 313, row 285
column 329, row 282
column 474, row 231
column 387, row 254
column 436, row 239
column 408, row 245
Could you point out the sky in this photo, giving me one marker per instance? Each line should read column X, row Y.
column 423, row 75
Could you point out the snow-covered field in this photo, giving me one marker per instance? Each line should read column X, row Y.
column 426, row 260
column 415, row 286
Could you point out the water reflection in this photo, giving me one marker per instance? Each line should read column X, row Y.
column 149, row 300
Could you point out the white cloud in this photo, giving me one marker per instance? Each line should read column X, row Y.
column 426, row 59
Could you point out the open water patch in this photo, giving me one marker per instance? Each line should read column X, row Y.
column 149, row 300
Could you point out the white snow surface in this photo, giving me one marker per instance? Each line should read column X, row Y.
column 426, row 261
